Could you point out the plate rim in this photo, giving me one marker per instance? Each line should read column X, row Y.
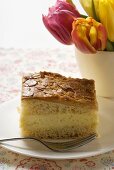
column 62, row 157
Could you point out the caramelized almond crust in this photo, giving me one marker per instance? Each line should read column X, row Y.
column 55, row 87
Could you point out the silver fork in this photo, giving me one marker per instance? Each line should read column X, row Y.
column 56, row 146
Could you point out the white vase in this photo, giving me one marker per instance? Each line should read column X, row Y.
column 100, row 67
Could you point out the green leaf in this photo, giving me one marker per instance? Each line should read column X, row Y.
column 109, row 46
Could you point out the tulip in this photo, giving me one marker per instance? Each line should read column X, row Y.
column 102, row 10
column 91, row 7
column 89, row 35
column 106, row 14
column 59, row 20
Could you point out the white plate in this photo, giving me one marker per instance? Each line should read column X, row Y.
column 9, row 127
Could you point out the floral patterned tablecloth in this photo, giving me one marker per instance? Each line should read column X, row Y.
column 15, row 62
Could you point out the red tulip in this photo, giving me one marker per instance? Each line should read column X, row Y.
column 59, row 21
column 89, row 35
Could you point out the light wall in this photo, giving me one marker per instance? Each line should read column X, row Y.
column 21, row 24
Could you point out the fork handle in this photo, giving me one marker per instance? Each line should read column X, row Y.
column 27, row 138
column 16, row 138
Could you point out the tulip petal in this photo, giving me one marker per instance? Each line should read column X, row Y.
column 106, row 14
column 91, row 7
column 96, row 8
column 100, row 32
column 87, row 5
column 102, row 36
column 53, row 30
column 93, row 35
column 64, row 5
column 54, row 26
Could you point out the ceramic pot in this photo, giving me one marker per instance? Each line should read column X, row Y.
column 100, row 67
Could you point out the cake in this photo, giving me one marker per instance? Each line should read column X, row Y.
column 56, row 107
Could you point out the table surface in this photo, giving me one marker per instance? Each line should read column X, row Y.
column 15, row 62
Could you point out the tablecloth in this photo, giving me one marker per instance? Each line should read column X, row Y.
column 13, row 64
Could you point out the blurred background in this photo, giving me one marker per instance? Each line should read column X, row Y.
column 21, row 24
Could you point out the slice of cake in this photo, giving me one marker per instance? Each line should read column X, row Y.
column 56, row 107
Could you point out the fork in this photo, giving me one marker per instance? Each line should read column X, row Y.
column 56, row 146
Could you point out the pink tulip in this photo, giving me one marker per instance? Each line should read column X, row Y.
column 59, row 21
column 89, row 35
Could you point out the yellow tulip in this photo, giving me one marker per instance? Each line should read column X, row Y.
column 87, row 5
column 91, row 7
column 106, row 14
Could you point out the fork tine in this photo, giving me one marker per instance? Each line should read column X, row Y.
column 85, row 142
column 70, row 145
column 74, row 140
column 83, row 139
